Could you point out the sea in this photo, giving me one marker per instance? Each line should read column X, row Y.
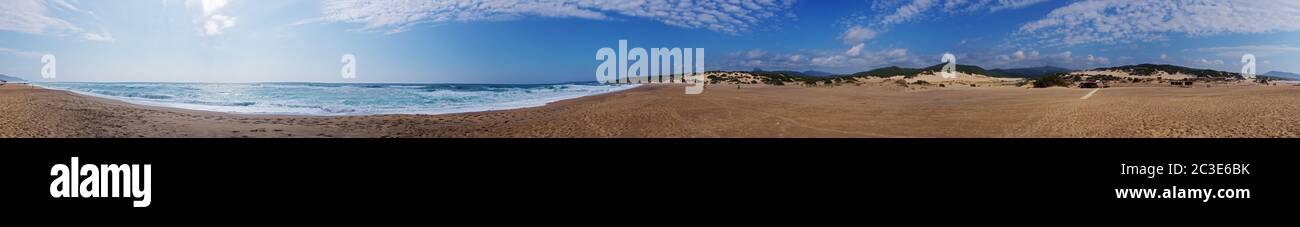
column 338, row 99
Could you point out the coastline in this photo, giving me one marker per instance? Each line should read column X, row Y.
column 334, row 99
column 661, row 110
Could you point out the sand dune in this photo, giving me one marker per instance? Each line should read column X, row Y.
column 1122, row 74
column 722, row 111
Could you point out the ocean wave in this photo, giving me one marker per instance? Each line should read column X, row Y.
column 338, row 99
column 130, row 94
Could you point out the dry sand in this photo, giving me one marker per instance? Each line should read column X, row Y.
column 722, row 111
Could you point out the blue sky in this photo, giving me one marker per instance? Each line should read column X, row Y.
column 545, row 41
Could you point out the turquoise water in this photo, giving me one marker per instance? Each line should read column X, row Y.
column 337, row 98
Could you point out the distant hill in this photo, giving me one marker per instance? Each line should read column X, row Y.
column 888, row 72
column 809, row 73
column 817, row 73
column 758, row 76
column 11, row 78
column 1035, row 72
column 1283, row 75
column 1057, row 76
column 1149, row 69
column 910, row 72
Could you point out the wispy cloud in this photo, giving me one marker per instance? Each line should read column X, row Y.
column 1207, row 63
column 1018, row 56
column 907, row 11
column 863, row 28
column 890, row 13
column 1258, row 50
column 21, row 53
column 897, row 12
column 1098, row 59
column 1125, row 21
column 38, row 17
column 1031, row 58
column 855, row 50
column 104, row 37
column 728, row 16
column 883, row 15
column 857, row 34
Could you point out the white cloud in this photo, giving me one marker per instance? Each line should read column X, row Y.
column 105, row 37
column 857, row 34
column 1030, row 58
column 800, row 57
column 1126, row 21
column 907, row 12
column 1258, row 50
column 805, row 60
column 38, row 17
column 1034, row 58
column 1018, row 56
column 911, row 10
column 30, row 16
column 217, row 23
column 856, row 50
column 728, row 16
column 1215, row 62
column 1262, row 53
column 864, row 59
column 1021, row 55
column 1098, row 59
column 998, row 5
column 890, row 13
column 755, row 53
column 212, row 22
column 1067, row 55
column 211, row 6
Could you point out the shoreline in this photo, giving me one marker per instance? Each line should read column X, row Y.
column 270, row 125
column 661, row 110
column 519, row 104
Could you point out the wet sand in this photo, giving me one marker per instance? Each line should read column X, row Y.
column 722, row 111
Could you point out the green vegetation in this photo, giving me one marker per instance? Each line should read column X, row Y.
column 1149, row 69
column 888, row 72
column 912, row 72
column 1046, row 76
column 780, row 78
column 970, row 69
column 1031, row 73
column 1022, row 83
column 1054, row 80
column 827, row 79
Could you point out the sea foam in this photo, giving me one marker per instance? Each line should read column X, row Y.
column 333, row 99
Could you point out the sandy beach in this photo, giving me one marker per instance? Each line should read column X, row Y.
column 722, row 111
